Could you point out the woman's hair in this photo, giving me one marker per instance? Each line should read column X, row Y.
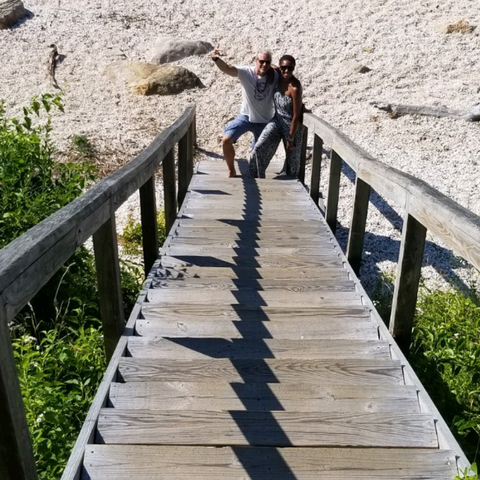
column 288, row 58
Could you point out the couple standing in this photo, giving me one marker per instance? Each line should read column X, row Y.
column 271, row 109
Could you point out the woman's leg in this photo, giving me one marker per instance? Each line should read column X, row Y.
column 292, row 157
column 264, row 150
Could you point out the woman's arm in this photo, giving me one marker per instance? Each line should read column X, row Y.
column 296, row 94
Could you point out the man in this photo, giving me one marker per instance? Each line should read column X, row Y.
column 258, row 84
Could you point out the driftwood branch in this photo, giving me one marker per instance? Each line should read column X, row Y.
column 52, row 64
column 470, row 115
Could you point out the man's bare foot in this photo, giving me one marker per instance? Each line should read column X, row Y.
column 231, row 174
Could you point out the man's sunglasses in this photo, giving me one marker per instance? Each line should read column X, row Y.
column 287, row 68
column 264, row 62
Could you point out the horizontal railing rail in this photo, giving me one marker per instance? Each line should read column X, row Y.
column 31, row 260
column 425, row 209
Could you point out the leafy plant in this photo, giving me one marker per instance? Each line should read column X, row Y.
column 83, row 146
column 469, row 473
column 32, row 184
column 445, row 353
column 131, row 238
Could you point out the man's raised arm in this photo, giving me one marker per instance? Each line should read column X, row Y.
column 223, row 66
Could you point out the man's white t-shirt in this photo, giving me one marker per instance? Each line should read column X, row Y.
column 257, row 95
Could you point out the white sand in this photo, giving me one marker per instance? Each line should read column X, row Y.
column 411, row 62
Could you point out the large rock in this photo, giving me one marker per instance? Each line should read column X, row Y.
column 169, row 49
column 10, row 12
column 147, row 79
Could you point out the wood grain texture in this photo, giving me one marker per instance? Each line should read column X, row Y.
column 124, row 462
column 294, row 329
column 360, row 371
column 202, row 348
column 259, row 397
column 282, row 429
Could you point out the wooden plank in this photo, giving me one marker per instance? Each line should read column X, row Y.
column 124, row 462
column 245, row 313
column 270, row 261
column 169, row 190
column 286, row 217
column 240, row 348
column 226, row 239
column 356, row 233
column 406, row 284
column 148, row 207
column 260, row 397
column 316, row 168
column 182, row 270
column 243, row 225
column 333, row 190
column 254, row 298
column 282, row 429
column 244, row 251
column 109, row 284
column 303, row 154
column 360, row 371
column 335, row 284
column 16, row 454
column 296, row 329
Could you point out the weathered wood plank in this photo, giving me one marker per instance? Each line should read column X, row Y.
column 245, row 349
column 148, row 206
column 246, row 313
column 333, row 372
column 267, row 261
column 336, row 284
column 169, row 190
column 316, row 168
column 182, row 270
column 243, row 251
column 124, row 462
column 282, row 429
column 259, row 397
column 294, row 328
column 333, row 190
column 254, row 298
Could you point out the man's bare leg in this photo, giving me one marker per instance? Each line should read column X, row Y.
column 229, row 155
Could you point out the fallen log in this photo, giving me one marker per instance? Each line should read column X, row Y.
column 470, row 115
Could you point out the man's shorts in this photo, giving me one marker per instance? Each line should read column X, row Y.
column 240, row 125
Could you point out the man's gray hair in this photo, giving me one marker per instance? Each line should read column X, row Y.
column 264, row 52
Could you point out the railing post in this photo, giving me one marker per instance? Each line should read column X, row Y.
column 408, row 278
column 303, row 155
column 109, row 283
column 356, row 234
column 333, row 190
column 148, row 209
column 169, row 190
column 191, row 149
column 316, row 168
column 16, row 454
column 185, row 150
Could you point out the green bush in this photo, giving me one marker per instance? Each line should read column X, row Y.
column 131, row 238
column 32, row 184
column 445, row 353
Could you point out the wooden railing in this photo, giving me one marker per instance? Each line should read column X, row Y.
column 30, row 261
column 424, row 209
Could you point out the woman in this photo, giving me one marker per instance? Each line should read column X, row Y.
column 285, row 125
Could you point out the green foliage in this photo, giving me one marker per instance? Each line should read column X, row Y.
column 32, row 184
column 59, row 375
column 446, row 355
column 82, row 146
column 131, row 239
column 469, row 473
column 382, row 296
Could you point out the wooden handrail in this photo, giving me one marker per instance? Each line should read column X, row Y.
column 30, row 261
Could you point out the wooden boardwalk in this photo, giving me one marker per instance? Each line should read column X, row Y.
column 255, row 356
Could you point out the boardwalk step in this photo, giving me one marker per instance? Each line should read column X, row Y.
column 250, row 251
column 332, row 372
column 254, row 298
column 296, row 329
column 124, row 462
column 248, row 349
column 259, row 397
column 280, row 429
column 218, row 284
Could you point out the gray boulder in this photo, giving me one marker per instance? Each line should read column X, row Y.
column 10, row 12
column 147, row 79
column 169, row 49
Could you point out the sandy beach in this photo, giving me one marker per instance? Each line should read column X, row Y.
column 411, row 61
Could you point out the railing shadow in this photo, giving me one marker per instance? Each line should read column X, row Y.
column 263, row 428
column 383, row 248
